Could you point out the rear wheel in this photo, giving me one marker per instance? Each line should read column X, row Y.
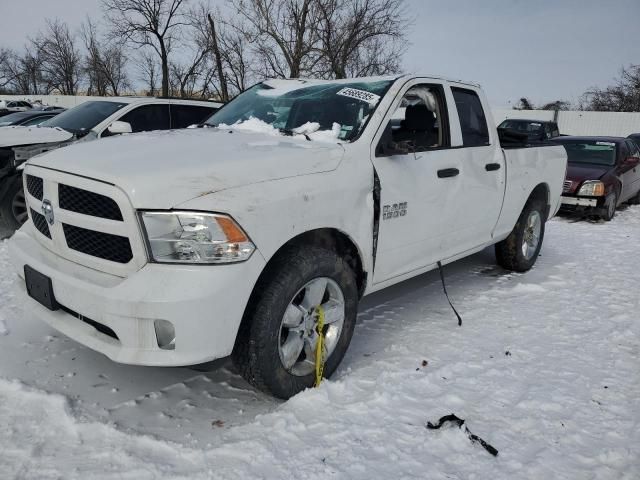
column 519, row 251
column 276, row 345
column 13, row 206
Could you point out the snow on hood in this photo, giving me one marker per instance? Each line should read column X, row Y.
column 309, row 129
column 13, row 136
column 165, row 169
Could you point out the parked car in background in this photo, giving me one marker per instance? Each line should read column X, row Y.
column 28, row 118
column 8, row 106
column 603, row 172
column 88, row 121
column 257, row 236
column 536, row 130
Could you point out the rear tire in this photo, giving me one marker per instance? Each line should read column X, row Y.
column 13, row 206
column 519, row 251
column 262, row 353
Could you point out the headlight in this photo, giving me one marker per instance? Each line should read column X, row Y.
column 194, row 237
column 592, row 188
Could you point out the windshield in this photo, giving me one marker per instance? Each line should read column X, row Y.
column 79, row 120
column 590, row 152
column 530, row 128
column 340, row 110
column 12, row 118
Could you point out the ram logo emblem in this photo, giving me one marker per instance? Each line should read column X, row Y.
column 47, row 211
column 393, row 211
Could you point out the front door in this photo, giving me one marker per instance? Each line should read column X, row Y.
column 419, row 183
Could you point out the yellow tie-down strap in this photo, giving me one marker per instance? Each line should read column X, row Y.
column 320, row 346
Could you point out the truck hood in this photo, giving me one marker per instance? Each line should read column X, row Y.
column 577, row 172
column 161, row 170
column 14, row 136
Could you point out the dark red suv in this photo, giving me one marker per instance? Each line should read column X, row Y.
column 602, row 173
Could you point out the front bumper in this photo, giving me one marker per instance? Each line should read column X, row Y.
column 584, row 205
column 205, row 304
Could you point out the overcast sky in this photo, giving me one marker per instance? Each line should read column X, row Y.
column 542, row 49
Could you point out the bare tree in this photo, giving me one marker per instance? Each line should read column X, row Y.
column 284, row 34
column 217, row 55
column 59, row 57
column 361, row 37
column 624, row 96
column 149, row 72
column 105, row 65
column 151, row 23
column 524, row 104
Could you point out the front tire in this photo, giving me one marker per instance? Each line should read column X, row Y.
column 276, row 341
column 610, row 206
column 519, row 251
column 13, row 205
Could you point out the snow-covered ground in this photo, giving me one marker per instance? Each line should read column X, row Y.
column 546, row 368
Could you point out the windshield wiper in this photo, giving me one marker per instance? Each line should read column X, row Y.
column 290, row 133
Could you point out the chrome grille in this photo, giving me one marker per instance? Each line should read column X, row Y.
column 98, row 244
column 35, row 186
column 40, row 223
column 566, row 187
column 88, row 203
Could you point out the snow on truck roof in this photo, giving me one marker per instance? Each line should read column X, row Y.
column 287, row 83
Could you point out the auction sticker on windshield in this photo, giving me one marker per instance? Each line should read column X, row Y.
column 370, row 98
column 607, row 144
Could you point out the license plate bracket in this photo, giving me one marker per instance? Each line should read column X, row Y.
column 40, row 288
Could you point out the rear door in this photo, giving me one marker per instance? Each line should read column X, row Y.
column 474, row 215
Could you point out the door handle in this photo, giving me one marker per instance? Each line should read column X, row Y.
column 492, row 167
column 448, row 172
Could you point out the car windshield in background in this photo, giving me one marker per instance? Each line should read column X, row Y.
column 590, row 152
column 300, row 107
column 79, row 120
column 532, row 129
column 12, row 118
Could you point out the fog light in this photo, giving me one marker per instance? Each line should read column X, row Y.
column 165, row 334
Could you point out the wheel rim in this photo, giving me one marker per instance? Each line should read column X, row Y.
column 531, row 237
column 298, row 336
column 19, row 207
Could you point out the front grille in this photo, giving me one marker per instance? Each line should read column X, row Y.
column 34, row 186
column 97, row 244
column 566, row 187
column 40, row 223
column 88, row 203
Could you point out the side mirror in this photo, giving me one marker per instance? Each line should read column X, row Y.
column 118, row 128
column 388, row 147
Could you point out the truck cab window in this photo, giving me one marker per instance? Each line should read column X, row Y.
column 473, row 123
column 418, row 119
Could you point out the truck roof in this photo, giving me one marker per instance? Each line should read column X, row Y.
column 408, row 76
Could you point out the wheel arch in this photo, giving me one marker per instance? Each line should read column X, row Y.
column 334, row 239
column 542, row 193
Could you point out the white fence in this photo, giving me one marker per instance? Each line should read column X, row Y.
column 616, row 124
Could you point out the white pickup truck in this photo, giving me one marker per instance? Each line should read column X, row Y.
column 301, row 197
